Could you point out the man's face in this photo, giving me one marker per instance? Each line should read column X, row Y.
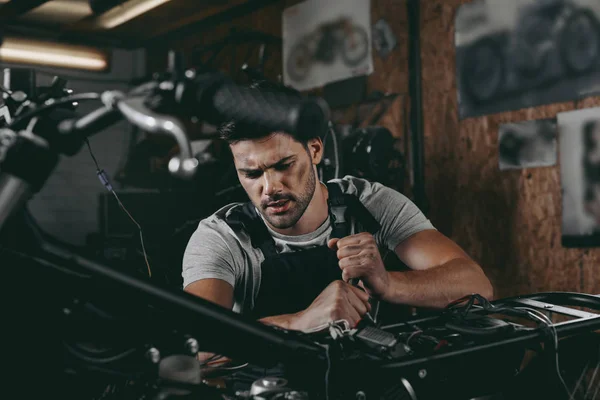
column 278, row 175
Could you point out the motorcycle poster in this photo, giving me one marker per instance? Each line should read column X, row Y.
column 527, row 144
column 513, row 54
column 326, row 41
column 579, row 149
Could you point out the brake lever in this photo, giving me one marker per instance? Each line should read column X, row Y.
column 135, row 111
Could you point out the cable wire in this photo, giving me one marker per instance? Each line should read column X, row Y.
column 327, row 371
column 104, row 179
column 539, row 316
column 97, row 359
column 92, row 154
column 592, row 382
column 139, row 229
column 211, row 359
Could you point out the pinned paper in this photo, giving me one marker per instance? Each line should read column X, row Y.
column 326, row 41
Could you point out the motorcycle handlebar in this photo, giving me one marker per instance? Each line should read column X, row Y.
column 270, row 110
column 75, row 131
column 212, row 97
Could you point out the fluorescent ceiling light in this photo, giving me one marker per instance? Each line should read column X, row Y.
column 126, row 11
column 36, row 52
column 63, row 11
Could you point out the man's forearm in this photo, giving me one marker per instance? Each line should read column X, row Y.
column 285, row 321
column 438, row 286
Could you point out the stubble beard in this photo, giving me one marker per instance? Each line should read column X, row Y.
column 301, row 202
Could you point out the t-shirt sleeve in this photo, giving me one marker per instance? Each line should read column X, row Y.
column 208, row 255
column 398, row 216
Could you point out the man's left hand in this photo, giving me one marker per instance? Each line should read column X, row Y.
column 360, row 258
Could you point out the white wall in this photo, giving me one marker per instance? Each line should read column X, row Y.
column 67, row 206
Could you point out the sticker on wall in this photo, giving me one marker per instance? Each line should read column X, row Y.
column 384, row 40
column 326, row 41
column 527, row 144
column 512, row 54
column 579, row 145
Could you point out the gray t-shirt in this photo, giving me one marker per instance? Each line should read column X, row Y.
column 217, row 251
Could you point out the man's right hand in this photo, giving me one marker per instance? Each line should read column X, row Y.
column 339, row 300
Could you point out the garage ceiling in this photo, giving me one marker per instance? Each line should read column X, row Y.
column 73, row 21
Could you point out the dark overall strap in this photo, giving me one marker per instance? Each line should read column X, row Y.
column 342, row 207
column 339, row 211
column 244, row 217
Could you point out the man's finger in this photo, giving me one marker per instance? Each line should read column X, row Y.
column 352, row 272
column 355, row 260
column 349, row 250
column 364, row 296
column 332, row 243
column 357, row 308
column 346, row 276
column 348, row 241
column 355, row 317
column 355, row 239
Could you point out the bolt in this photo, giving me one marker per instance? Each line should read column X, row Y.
column 360, row 395
column 190, row 74
column 66, row 311
column 548, row 306
column 192, row 345
column 422, row 373
column 166, row 85
column 153, row 355
column 18, row 97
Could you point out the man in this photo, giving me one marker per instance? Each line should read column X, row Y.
column 275, row 259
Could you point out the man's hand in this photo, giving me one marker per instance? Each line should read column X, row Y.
column 359, row 258
column 339, row 300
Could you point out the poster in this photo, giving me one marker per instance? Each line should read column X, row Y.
column 513, row 54
column 579, row 146
column 527, row 144
column 326, row 41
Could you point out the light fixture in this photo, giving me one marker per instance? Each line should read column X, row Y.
column 59, row 11
column 126, row 11
column 37, row 52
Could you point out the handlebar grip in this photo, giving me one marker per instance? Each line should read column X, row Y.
column 75, row 131
column 270, row 110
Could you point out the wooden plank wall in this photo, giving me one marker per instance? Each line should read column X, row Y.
column 508, row 221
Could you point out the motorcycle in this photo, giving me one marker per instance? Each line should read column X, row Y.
column 330, row 40
column 545, row 32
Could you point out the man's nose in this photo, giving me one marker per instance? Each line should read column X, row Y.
column 272, row 183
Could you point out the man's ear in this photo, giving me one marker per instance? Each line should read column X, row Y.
column 315, row 149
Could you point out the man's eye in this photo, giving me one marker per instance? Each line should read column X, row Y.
column 283, row 167
column 252, row 175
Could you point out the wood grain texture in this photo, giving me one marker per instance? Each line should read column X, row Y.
column 509, row 221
